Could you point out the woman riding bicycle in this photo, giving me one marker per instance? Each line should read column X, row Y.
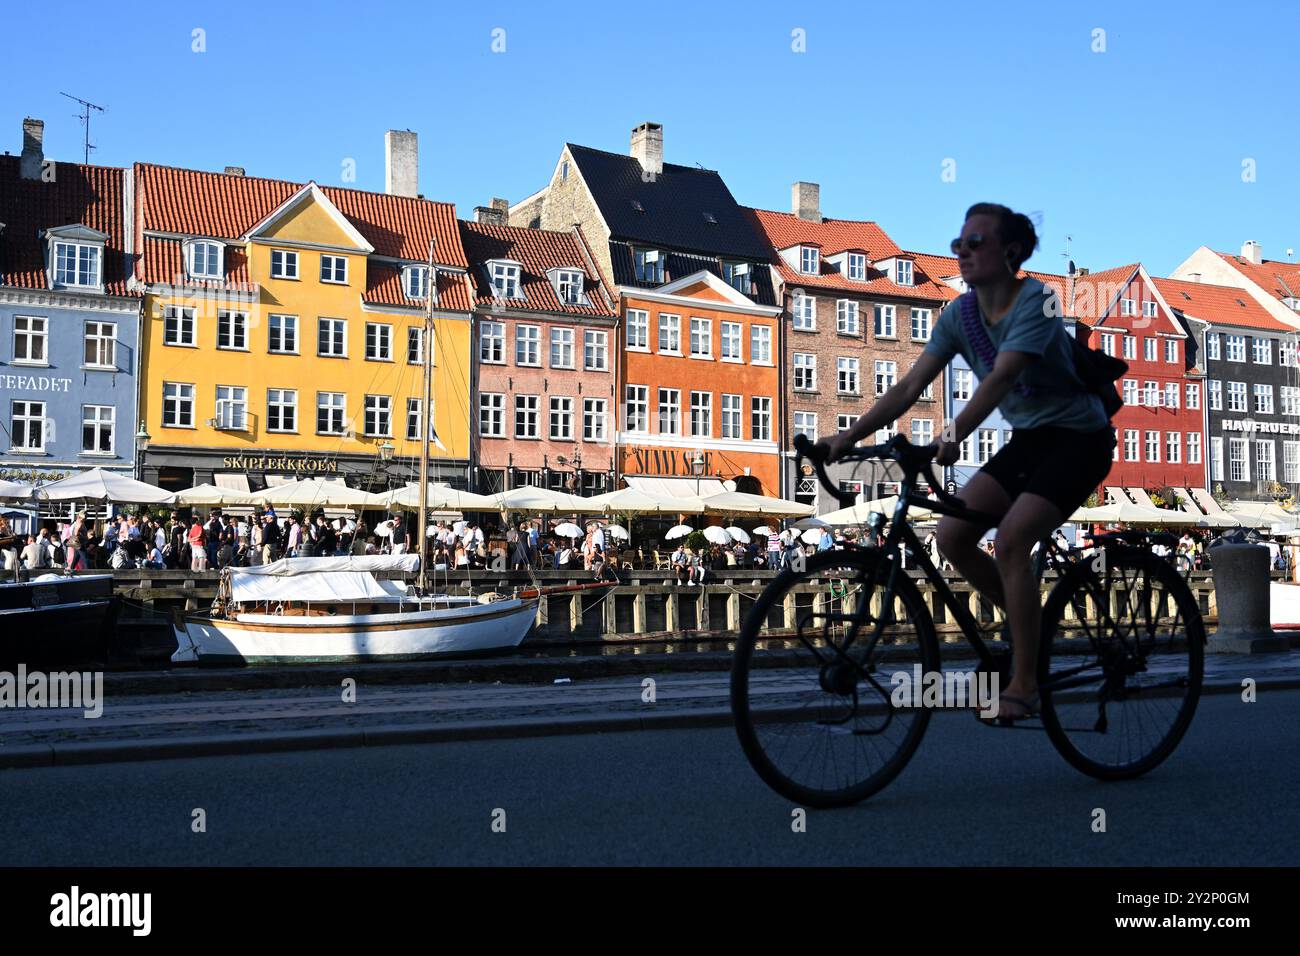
column 1062, row 446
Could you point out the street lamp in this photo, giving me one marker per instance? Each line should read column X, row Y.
column 142, row 438
column 697, row 469
column 386, row 450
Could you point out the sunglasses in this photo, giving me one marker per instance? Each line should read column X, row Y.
column 973, row 242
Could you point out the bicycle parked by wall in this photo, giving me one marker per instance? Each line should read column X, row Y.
column 1119, row 671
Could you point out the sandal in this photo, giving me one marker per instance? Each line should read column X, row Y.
column 1028, row 706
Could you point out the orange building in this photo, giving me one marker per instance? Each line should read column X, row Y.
column 701, row 391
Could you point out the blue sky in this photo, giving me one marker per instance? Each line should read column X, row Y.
column 1136, row 152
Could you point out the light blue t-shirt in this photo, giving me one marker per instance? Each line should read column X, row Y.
column 1033, row 325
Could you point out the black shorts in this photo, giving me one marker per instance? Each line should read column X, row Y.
column 1060, row 464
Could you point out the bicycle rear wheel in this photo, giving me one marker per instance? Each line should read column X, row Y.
column 811, row 682
column 1119, row 687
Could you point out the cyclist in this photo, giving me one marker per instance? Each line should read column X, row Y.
column 1062, row 443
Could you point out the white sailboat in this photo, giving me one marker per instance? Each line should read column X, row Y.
column 335, row 609
column 310, row 610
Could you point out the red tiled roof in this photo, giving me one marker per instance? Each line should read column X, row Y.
column 384, row 287
column 1278, row 279
column 1094, row 293
column 223, row 206
column 784, row 230
column 536, row 250
column 86, row 195
column 833, row 236
column 162, row 261
column 1220, row 304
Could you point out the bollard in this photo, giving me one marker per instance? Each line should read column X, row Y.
column 1241, row 581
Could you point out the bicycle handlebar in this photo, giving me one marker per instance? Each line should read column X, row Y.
column 915, row 459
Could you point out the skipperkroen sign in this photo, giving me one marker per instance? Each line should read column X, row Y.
column 280, row 463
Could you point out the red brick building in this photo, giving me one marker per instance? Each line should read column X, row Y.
column 858, row 312
column 545, row 357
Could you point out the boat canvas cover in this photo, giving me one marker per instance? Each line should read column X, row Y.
column 408, row 563
column 326, row 580
column 325, row 588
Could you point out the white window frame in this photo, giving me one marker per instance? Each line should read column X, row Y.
column 701, row 420
column 562, row 339
column 730, row 411
column 1108, row 343
column 810, row 260
column 1152, row 447
column 760, row 345
column 1130, row 347
column 232, row 325
column 1217, row 460
column 1193, row 396
column 963, row 384
column 415, row 345
column 808, row 426
column 379, row 342
column 217, row 250
column 886, row 376
column 636, row 409
column 903, row 272
column 848, row 372
column 377, row 419
column 99, row 419
column 594, row 420
column 330, row 269
column 595, row 350
column 35, row 337
column 669, row 409
column 1265, row 464
column 805, row 362
column 99, row 338
column 1238, row 400
column 63, row 278
column 492, row 343
column 569, row 286
column 847, row 320
column 528, row 417
column 1171, row 351
column 1261, row 399
column 1174, row 448
column 1234, row 348
column 1212, row 346
column 179, row 318
column 505, row 278
column 1151, row 348
column 278, row 401
column 857, row 267
column 638, row 330
column 922, row 430
column 492, row 414
column 884, row 317
column 760, row 418
column 284, row 264
column 231, row 408
column 560, row 418
column 803, row 312
column 701, row 333
column 287, row 328
column 1216, row 395
column 178, row 397
column 31, row 422
column 333, row 410
column 337, row 329
column 528, row 343
column 737, row 332
column 921, row 318
column 1132, row 444
column 670, row 334
column 1194, row 448
column 1264, row 355
column 415, row 281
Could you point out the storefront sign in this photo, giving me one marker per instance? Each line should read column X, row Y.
column 31, row 475
column 1270, row 428
column 280, row 463
column 667, row 461
column 35, row 383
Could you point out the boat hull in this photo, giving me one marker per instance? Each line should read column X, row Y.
column 60, row 622
column 267, row 639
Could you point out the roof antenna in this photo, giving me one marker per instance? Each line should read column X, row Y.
column 1070, row 262
column 86, row 107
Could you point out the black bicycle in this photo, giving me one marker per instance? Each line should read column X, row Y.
column 827, row 645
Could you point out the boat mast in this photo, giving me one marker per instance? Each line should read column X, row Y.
column 426, row 346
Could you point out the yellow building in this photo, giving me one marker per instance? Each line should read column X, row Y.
column 282, row 331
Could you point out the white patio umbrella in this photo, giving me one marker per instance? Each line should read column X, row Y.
column 739, row 534
column 811, row 521
column 542, row 501
column 14, row 491
column 568, row 530
column 811, row 536
column 618, row 531
column 438, row 498
column 764, row 530
column 678, row 531
column 715, row 534
column 740, row 503
column 97, row 484
column 633, row 501
column 215, row 495
column 314, row 492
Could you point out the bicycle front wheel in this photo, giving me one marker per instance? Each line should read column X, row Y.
column 1121, row 666
column 812, row 681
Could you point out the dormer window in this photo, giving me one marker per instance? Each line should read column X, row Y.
column 505, row 279
column 649, row 265
column 809, row 260
column 76, row 264
column 568, row 286
column 415, row 282
column 857, row 267
column 903, row 271
column 738, row 276
column 1292, row 302
column 203, row 259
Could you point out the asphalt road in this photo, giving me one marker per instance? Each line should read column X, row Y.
column 972, row 796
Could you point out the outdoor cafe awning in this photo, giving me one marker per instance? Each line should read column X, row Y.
column 675, row 487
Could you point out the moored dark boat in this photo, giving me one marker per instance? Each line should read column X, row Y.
column 57, row 620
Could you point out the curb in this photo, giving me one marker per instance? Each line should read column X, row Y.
column 73, row 754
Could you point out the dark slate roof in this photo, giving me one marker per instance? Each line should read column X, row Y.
column 674, row 206
column 678, row 265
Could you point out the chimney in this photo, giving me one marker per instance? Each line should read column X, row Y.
column 495, row 214
column 401, row 162
column 234, row 170
column 1082, row 271
column 806, row 201
column 648, row 147
column 1250, row 251
column 33, row 156
column 1194, row 276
